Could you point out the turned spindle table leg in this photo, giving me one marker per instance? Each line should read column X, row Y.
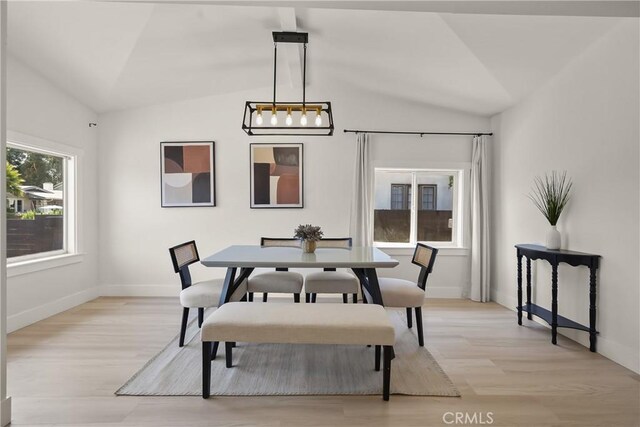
column 554, row 303
column 519, row 288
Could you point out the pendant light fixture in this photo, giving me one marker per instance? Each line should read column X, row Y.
column 288, row 118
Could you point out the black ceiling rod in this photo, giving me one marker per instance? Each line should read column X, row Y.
column 304, row 79
column 418, row 133
column 275, row 67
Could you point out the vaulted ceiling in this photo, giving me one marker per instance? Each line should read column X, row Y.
column 118, row 55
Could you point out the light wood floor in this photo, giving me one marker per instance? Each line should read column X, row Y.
column 64, row 370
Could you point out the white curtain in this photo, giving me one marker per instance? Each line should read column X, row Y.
column 480, row 277
column 361, row 221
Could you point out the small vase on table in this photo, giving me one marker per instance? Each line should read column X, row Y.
column 308, row 235
column 308, row 246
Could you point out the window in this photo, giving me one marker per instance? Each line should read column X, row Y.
column 428, row 199
column 40, row 202
column 400, row 196
column 435, row 194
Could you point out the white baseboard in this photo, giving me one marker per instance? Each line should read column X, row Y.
column 504, row 300
column 33, row 315
column 444, row 291
column 5, row 412
column 621, row 354
column 139, row 290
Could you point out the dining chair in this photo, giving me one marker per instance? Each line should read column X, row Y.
column 200, row 295
column 331, row 281
column 281, row 281
column 408, row 294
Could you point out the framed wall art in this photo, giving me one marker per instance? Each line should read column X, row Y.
column 187, row 174
column 276, row 176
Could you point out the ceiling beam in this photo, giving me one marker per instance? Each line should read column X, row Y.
column 602, row 8
column 292, row 52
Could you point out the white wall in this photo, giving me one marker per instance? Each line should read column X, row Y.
column 135, row 232
column 584, row 121
column 37, row 108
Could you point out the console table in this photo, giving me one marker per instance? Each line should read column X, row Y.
column 555, row 257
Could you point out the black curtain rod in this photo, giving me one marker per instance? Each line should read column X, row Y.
column 418, row 133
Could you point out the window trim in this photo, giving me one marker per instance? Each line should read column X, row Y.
column 39, row 264
column 72, row 244
column 461, row 172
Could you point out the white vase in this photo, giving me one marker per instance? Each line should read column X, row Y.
column 554, row 239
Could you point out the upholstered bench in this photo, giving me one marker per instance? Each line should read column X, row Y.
column 297, row 324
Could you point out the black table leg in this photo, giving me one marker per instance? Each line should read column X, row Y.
column 373, row 286
column 231, row 283
column 359, row 272
column 554, row 303
column 519, row 288
column 529, row 315
column 592, row 308
column 229, row 279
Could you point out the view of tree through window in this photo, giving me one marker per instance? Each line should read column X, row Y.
column 35, row 202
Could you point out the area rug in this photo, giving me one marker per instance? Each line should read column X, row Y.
column 282, row 369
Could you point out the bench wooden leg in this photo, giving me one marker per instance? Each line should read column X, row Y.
column 228, row 353
column 409, row 318
column 296, row 297
column 214, row 350
column 307, row 297
column 250, row 296
column 377, row 358
column 183, row 325
column 418, row 311
column 206, row 369
column 389, row 355
column 345, row 298
column 313, row 297
column 264, row 297
column 200, row 316
column 355, row 298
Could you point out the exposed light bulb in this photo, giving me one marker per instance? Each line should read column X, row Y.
column 318, row 119
column 289, row 120
column 274, row 118
column 303, row 119
column 259, row 118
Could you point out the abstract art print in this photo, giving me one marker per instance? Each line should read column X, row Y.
column 276, row 175
column 187, row 174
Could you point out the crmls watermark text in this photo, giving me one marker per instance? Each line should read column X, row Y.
column 468, row 418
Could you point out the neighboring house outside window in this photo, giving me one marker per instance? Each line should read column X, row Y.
column 417, row 205
column 428, row 197
column 40, row 206
column 400, row 196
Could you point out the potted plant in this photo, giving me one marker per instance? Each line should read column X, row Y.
column 309, row 234
column 550, row 195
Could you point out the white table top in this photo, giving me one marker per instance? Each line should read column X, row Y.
column 257, row 256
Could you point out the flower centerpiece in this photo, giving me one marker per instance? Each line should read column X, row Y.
column 309, row 234
column 550, row 195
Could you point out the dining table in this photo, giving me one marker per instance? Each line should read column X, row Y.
column 241, row 260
